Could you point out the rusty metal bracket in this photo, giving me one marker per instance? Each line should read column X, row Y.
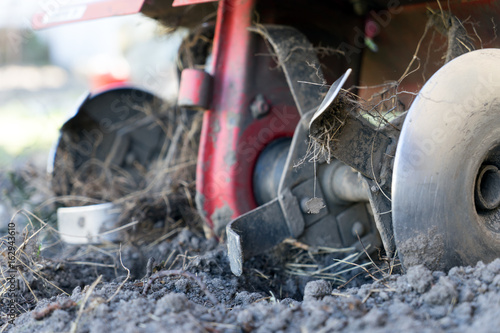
column 245, row 238
column 366, row 149
column 268, row 225
column 195, row 90
column 299, row 62
column 355, row 142
column 285, row 217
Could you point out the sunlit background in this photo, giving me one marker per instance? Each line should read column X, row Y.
column 44, row 73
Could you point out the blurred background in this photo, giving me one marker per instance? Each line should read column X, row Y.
column 44, row 74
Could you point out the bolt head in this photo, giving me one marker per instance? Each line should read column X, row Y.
column 259, row 107
column 358, row 229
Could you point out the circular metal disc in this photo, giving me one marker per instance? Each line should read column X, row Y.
column 110, row 133
column 452, row 129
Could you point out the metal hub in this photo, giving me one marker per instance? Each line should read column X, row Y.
column 487, row 190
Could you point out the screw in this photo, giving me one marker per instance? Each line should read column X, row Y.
column 358, row 229
column 130, row 158
column 303, row 205
column 259, row 107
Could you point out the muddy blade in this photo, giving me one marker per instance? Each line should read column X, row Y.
column 254, row 233
column 331, row 95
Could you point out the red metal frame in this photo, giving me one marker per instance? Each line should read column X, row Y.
column 60, row 12
column 178, row 3
column 195, row 89
column 231, row 138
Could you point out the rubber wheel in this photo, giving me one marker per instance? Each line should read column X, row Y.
column 446, row 183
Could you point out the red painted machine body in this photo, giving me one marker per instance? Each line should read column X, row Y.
column 178, row 3
column 232, row 137
column 247, row 100
column 54, row 13
column 195, row 89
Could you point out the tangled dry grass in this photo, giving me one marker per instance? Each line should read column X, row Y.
column 387, row 104
column 160, row 192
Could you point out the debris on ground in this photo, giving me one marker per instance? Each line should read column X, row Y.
column 467, row 298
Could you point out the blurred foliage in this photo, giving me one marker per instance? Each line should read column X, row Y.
column 22, row 46
column 24, row 189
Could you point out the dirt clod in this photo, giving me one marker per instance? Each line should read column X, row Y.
column 419, row 278
column 317, row 290
column 444, row 292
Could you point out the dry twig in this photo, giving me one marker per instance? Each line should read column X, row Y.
column 74, row 325
column 124, row 281
column 39, row 315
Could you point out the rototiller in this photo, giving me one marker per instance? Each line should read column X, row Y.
column 285, row 149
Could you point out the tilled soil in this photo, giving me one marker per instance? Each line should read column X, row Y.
column 264, row 299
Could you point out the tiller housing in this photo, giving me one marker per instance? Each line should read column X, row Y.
column 286, row 153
